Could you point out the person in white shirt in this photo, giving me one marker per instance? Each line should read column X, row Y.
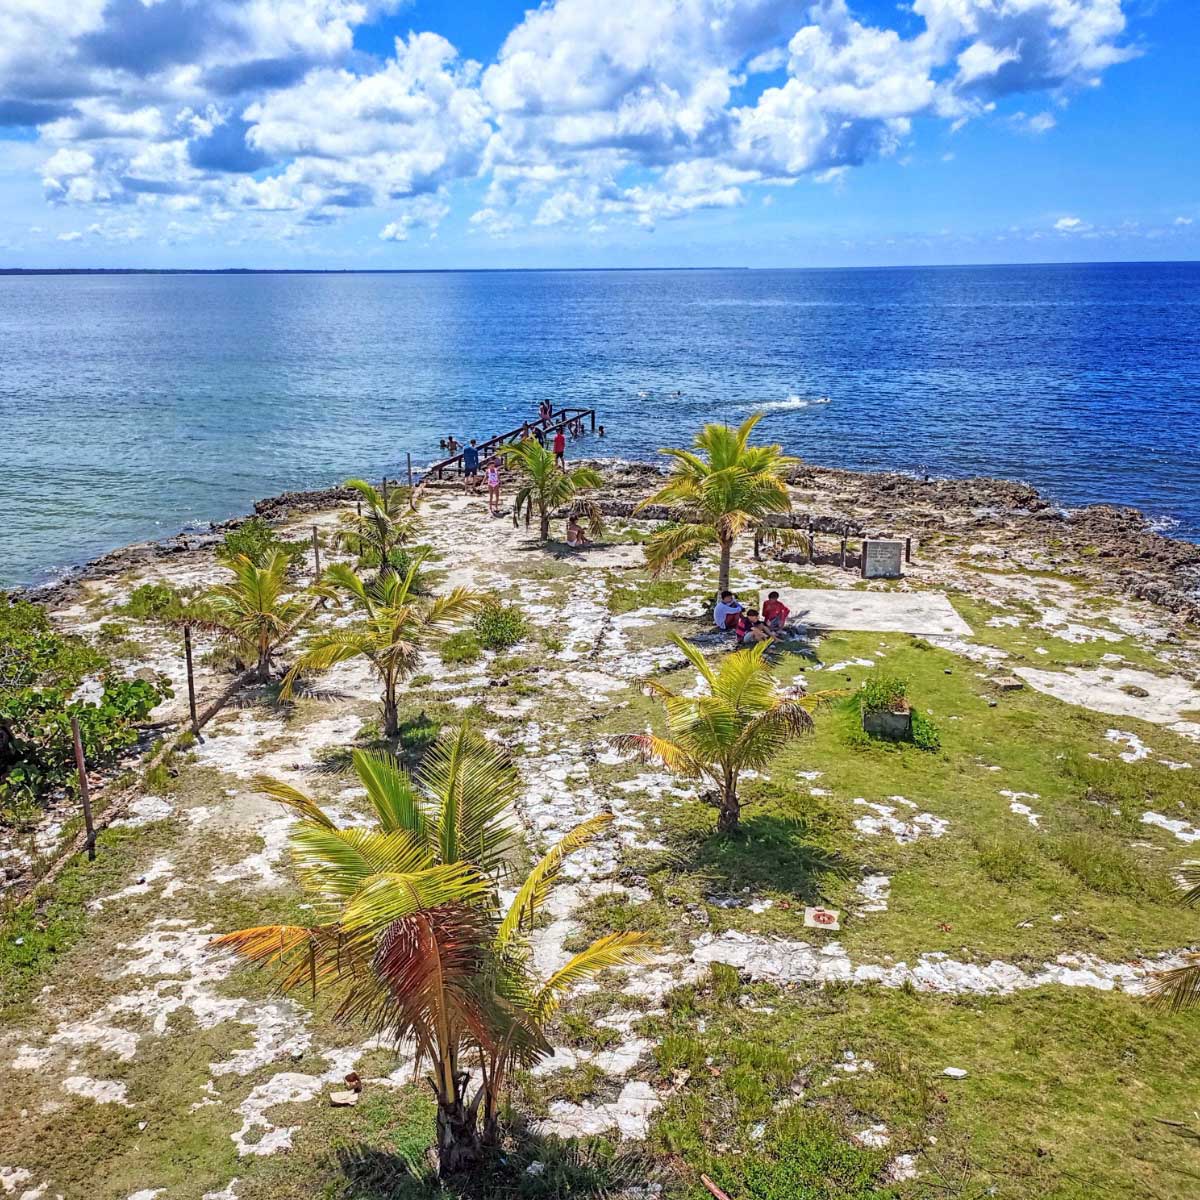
column 727, row 611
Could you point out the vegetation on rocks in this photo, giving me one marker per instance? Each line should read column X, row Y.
column 545, row 487
column 41, row 673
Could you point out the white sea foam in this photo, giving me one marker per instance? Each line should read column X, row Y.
column 791, row 403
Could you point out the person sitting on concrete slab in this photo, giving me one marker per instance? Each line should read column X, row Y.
column 775, row 613
column 727, row 611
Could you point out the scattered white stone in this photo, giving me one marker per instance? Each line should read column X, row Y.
column 1181, row 829
column 780, row 961
column 955, row 1072
column 226, row 1193
column 886, row 821
column 1017, row 805
column 902, row 1168
column 102, row 1091
column 850, row 662
column 874, row 1137
column 629, row 1114
column 1137, row 748
column 161, row 868
column 875, row 891
column 12, row 1177
column 143, row 811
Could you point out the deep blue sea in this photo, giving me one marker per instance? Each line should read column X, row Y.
column 133, row 405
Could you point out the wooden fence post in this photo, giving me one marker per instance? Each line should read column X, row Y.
column 385, row 492
column 84, row 795
column 358, row 508
column 316, row 555
column 408, row 454
column 908, row 549
column 812, row 548
column 191, row 682
column 843, row 552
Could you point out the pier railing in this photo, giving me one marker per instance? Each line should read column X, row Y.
column 558, row 419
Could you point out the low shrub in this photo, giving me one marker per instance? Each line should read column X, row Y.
column 925, row 734
column 460, row 647
column 256, row 540
column 499, row 626
column 882, row 693
column 153, row 602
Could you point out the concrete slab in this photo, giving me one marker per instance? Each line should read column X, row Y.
column 926, row 614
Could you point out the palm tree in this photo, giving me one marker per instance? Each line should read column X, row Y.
column 546, row 486
column 409, row 930
column 738, row 722
column 1179, row 988
column 252, row 610
column 718, row 496
column 382, row 525
column 394, row 626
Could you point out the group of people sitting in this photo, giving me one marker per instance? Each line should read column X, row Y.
column 749, row 625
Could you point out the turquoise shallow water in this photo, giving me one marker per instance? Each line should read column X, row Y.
column 134, row 405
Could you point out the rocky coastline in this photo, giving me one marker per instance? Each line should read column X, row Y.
column 1114, row 545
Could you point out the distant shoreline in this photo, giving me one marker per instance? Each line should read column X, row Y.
column 1121, row 262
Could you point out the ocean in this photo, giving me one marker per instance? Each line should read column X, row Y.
column 136, row 405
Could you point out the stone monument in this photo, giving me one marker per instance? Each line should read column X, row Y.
column 882, row 560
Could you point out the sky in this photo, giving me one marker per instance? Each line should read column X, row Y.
column 380, row 134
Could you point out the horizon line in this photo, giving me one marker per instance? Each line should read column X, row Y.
column 11, row 271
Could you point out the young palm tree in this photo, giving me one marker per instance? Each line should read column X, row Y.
column 1179, row 988
column 720, row 492
column 394, row 626
column 252, row 610
column 383, row 525
column 409, row 930
column 739, row 722
column 547, row 487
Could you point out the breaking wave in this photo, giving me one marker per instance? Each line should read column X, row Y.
column 792, row 402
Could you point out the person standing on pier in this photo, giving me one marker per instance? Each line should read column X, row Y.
column 471, row 466
column 560, row 448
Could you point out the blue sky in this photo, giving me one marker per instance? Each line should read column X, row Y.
column 373, row 133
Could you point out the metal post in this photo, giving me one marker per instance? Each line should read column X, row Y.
column 191, row 682
column 316, row 555
column 408, row 454
column 908, row 549
column 84, row 795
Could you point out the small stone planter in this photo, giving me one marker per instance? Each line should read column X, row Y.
column 895, row 723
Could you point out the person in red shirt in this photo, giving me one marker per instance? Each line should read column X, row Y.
column 775, row 612
column 560, row 448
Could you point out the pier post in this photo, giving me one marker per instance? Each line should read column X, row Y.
column 84, row 794
column 191, row 682
column 593, row 420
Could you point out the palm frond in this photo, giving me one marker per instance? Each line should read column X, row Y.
column 615, row 950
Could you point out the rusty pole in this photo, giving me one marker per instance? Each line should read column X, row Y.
column 191, row 682
column 84, row 795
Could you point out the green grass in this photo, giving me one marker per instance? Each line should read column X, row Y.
column 460, row 647
column 626, row 597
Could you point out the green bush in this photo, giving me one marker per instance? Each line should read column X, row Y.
column 401, row 560
column 40, row 670
column 925, row 734
column 499, row 626
column 256, row 540
column 153, row 602
column 461, row 647
column 882, row 693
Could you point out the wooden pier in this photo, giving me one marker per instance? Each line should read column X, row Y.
column 558, row 419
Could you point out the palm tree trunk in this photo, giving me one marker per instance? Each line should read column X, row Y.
column 727, row 816
column 457, row 1139
column 723, row 575
column 391, row 715
column 264, row 659
column 544, row 523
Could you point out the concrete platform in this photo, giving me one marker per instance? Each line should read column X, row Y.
column 926, row 614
